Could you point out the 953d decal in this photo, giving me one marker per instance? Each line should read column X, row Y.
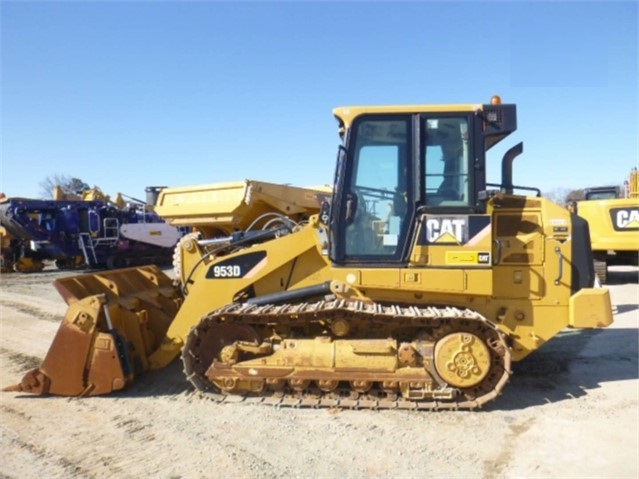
column 243, row 266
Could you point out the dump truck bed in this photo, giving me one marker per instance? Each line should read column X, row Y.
column 235, row 205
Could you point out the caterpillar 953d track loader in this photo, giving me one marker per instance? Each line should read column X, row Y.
column 417, row 288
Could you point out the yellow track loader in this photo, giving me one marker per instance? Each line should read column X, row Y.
column 417, row 286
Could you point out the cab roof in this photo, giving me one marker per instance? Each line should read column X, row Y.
column 348, row 113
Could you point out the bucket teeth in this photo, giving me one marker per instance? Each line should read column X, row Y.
column 33, row 382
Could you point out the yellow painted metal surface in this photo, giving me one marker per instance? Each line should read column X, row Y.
column 348, row 113
column 234, row 206
column 310, row 268
column 590, row 308
column 614, row 224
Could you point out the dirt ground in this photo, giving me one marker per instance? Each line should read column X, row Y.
column 570, row 411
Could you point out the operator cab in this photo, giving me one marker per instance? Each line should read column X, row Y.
column 397, row 163
column 602, row 193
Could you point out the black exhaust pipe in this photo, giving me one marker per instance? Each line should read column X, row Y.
column 507, row 168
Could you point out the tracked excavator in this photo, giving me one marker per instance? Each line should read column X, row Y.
column 417, row 287
column 613, row 218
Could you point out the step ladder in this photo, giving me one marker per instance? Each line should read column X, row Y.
column 88, row 249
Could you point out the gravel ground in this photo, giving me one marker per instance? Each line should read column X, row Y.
column 570, row 411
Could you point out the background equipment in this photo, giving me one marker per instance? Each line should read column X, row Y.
column 613, row 216
column 86, row 233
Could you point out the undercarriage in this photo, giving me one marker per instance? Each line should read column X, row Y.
column 348, row 354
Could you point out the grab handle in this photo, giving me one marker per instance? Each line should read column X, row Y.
column 561, row 265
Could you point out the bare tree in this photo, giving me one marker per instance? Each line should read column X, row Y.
column 68, row 184
column 558, row 195
column 576, row 195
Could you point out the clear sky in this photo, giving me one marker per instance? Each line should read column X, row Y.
column 126, row 95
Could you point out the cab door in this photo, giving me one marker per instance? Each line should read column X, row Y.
column 453, row 253
column 452, row 250
column 376, row 201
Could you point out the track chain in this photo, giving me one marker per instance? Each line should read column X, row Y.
column 445, row 319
